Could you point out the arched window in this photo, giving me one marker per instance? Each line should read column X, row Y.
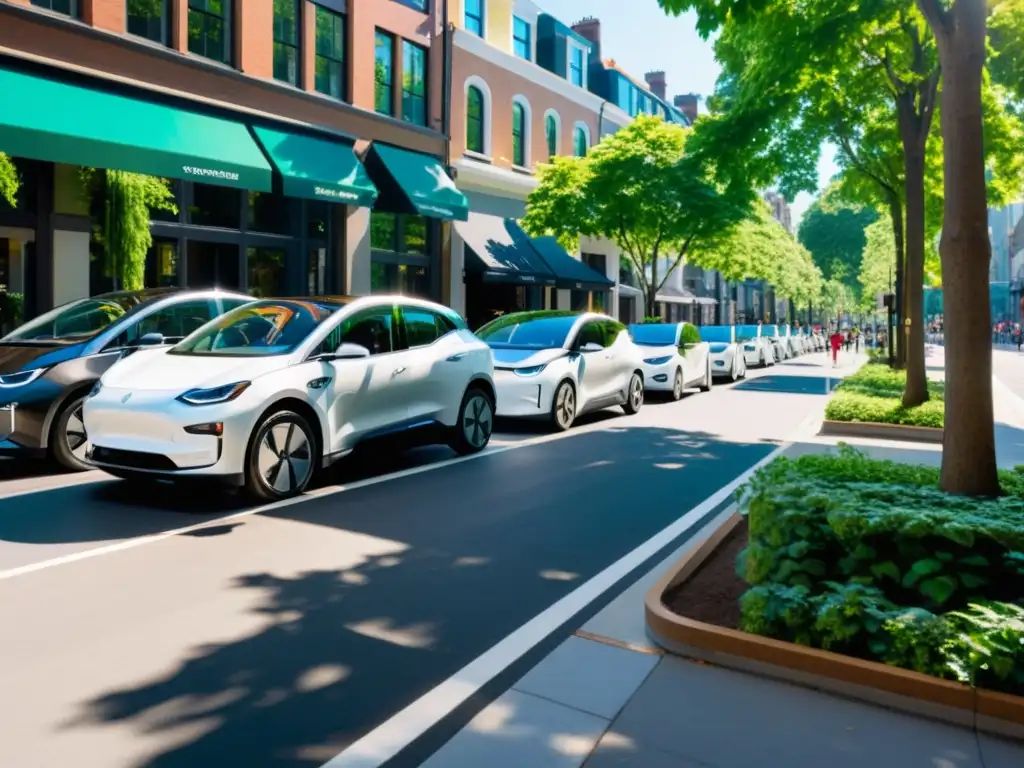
column 474, row 119
column 518, row 135
column 580, row 141
column 551, row 129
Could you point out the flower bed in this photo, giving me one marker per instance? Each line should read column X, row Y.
column 874, row 394
column 869, row 559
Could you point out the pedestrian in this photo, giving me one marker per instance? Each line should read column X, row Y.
column 836, row 339
column 1017, row 336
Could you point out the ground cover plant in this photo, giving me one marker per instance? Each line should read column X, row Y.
column 874, row 394
column 870, row 559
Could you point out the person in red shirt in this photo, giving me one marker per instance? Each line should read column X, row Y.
column 836, row 339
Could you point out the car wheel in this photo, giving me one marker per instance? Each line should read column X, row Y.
column 563, row 406
column 762, row 363
column 634, row 395
column 68, row 441
column 677, row 385
column 743, row 368
column 472, row 432
column 706, row 386
column 281, row 457
column 734, row 374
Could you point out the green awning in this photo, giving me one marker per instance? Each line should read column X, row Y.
column 410, row 182
column 44, row 119
column 318, row 169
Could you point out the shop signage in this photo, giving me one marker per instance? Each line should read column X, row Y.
column 435, row 209
column 337, row 194
column 209, row 173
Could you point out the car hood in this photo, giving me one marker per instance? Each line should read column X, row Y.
column 27, row 357
column 651, row 352
column 525, row 358
column 156, row 370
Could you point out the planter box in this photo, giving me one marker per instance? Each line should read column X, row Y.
column 873, row 429
column 870, row 681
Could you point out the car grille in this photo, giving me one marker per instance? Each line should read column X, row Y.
column 131, row 459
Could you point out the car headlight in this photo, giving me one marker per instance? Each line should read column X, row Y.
column 95, row 388
column 213, row 395
column 658, row 360
column 21, row 377
column 749, row 347
column 533, row 370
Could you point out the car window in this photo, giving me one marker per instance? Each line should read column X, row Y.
column 591, row 333
column 229, row 304
column 423, row 327
column 258, row 329
column 371, row 328
column 174, row 322
column 612, row 329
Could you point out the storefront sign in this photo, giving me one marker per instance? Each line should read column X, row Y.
column 209, row 173
column 436, row 209
column 336, row 194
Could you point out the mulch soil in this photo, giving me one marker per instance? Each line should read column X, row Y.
column 712, row 594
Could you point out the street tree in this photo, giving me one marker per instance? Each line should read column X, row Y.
column 877, row 264
column 833, row 231
column 1006, row 31
column 640, row 190
column 9, row 180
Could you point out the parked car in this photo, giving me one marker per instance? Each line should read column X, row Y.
column 757, row 349
column 675, row 357
column 781, row 349
column 273, row 391
column 727, row 358
column 790, row 340
column 557, row 365
column 49, row 364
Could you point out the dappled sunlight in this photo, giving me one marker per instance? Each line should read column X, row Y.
column 669, row 466
column 571, row 744
column 413, row 636
column 321, row 676
column 559, row 575
column 613, row 740
column 497, row 719
column 469, row 562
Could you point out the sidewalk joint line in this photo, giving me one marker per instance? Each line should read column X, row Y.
column 618, row 643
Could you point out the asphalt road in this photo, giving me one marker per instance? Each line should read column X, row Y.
column 278, row 638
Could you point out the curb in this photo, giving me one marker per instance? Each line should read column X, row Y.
column 873, row 429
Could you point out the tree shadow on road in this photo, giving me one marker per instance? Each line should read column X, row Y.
column 454, row 561
column 791, row 385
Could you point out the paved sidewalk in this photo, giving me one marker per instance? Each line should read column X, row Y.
column 607, row 697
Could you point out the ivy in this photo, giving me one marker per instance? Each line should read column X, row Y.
column 9, row 180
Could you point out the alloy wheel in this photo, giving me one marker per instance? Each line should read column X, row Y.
column 565, row 406
column 636, row 393
column 477, row 421
column 75, row 435
column 285, row 458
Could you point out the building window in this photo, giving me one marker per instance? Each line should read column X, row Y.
column 286, row 41
column 518, row 135
column 420, row 5
column 330, row 53
column 551, row 129
column 382, row 78
column 414, row 83
column 400, row 254
column 576, row 66
column 475, row 120
column 67, row 7
column 580, row 142
column 521, row 42
column 148, row 19
column 475, row 17
column 209, row 29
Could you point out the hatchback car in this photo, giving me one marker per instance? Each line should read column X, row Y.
column 49, row 364
column 675, row 357
column 557, row 364
column 727, row 359
column 273, row 391
column 758, row 349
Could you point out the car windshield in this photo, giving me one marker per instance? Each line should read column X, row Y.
column 722, row 333
column 260, row 329
column 74, row 322
column 746, row 332
column 654, row 334
column 529, row 330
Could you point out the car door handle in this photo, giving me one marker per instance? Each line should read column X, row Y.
column 455, row 358
column 398, row 371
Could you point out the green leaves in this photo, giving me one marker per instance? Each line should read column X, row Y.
column 10, row 181
column 874, row 394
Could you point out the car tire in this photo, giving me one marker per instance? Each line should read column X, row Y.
column 706, row 386
column 563, row 406
column 763, row 363
column 282, row 457
column 68, row 441
column 734, row 374
column 472, row 432
column 743, row 368
column 677, row 385
column 634, row 395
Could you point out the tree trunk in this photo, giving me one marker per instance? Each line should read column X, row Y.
column 916, row 391
column 896, row 216
column 968, row 447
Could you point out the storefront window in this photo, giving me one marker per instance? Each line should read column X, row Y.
column 270, row 213
column 213, row 265
column 330, row 53
column 382, row 78
column 67, row 7
column 148, row 19
column 414, row 83
column 286, row 41
column 209, row 29
column 399, row 233
column 406, row 279
column 266, row 271
column 214, row 206
column 169, row 216
column 162, row 263
column 318, row 214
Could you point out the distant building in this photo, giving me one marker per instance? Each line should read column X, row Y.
column 780, row 210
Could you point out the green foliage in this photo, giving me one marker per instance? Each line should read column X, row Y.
column 690, row 334
column 10, row 181
column 1006, row 33
column 12, row 307
column 870, row 558
column 874, row 394
column 877, row 264
column 834, row 233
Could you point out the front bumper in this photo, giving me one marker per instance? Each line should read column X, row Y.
column 659, row 378
column 720, row 366
column 144, row 432
column 522, row 396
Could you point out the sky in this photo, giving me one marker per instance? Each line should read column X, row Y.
column 641, row 38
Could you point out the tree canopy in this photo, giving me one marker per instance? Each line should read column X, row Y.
column 833, row 231
column 877, row 263
column 1006, row 31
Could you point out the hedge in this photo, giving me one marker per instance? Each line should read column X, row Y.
column 874, row 394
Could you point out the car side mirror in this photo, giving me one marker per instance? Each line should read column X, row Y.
column 151, row 340
column 592, row 347
column 344, row 352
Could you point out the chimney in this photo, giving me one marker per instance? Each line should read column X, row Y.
column 590, row 28
column 656, row 82
column 687, row 104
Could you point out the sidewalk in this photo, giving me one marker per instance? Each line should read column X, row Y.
column 607, row 697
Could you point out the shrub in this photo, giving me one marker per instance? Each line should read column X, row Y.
column 689, row 334
column 874, row 394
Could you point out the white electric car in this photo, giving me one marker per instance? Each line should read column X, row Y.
column 556, row 365
column 758, row 351
column 790, row 340
column 727, row 358
column 780, row 348
column 675, row 357
column 274, row 390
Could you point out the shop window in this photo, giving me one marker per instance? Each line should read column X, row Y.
column 551, row 129
column 266, row 271
column 148, row 19
column 270, row 213
column 159, row 214
column 286, row 41
column 406, row 279
column 399, row 233
column 518, row 135
column 213, row 265
column 209, row 29
column 414, row 235
column 414, row 83
column 521, row 41
column 316, row 271
column 474, row 119
column 330, row 53
column 67, row 7
column 318, row 216
column 162, row 263
column 214, row 206
column 474, row 21
column 383, row 74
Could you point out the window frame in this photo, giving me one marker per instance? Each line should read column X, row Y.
column 519, row 130
column 227, row 20
column 342, row 19
column 440, row 321
column 480, row 20
column 74, row 12
column 382, row 35
column 165, row 12
column 552, row 137
column 296, row 46
column 471, row 89
column 527, row 41
column 579, row 132
column 380, row 309
column 573, row 49
column 411, row 47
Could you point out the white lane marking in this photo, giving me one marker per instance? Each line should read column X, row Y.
column 388, row 739
column 55, row 487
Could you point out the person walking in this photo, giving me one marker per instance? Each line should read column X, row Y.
column 836, row 339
